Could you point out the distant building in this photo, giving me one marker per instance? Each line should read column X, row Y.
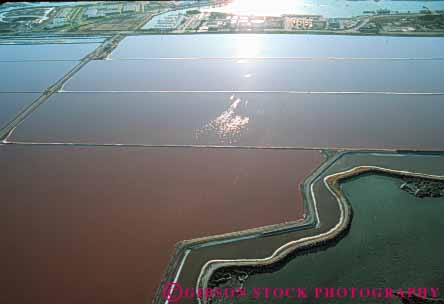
column 383, row 12
column 61, row 19
column 112, row 10
column 274, row 23
column 334, row 23
column 93, row 13
column 369, row 28
column 258, row 23
column 165, row 21
column 130, row 7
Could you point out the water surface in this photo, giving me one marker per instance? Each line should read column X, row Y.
column 246, row 119
column 45, row 51
column 11, row 104
column 98, row 225
column 382, row 193
column 327, row 8
column 262, row 75
column 32, row 76
column 393, row 242
column 278, row 45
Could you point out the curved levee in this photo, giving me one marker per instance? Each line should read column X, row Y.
column 332, row 183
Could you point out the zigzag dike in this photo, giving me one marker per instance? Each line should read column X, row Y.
column 194, row 263
column 325, row 237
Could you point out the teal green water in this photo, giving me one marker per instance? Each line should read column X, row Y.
column 395, row 241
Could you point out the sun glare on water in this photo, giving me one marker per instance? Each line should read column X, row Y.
column 249, row 47
column 230, row 125
column 264, row 8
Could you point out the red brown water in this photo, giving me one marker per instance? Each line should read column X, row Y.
column 247, row 119
column 99, row 224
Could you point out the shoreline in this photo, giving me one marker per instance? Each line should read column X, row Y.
column 332, row 183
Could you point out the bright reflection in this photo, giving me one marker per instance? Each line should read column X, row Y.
column 229, row 125
column 265, row 8
column 249, row 46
